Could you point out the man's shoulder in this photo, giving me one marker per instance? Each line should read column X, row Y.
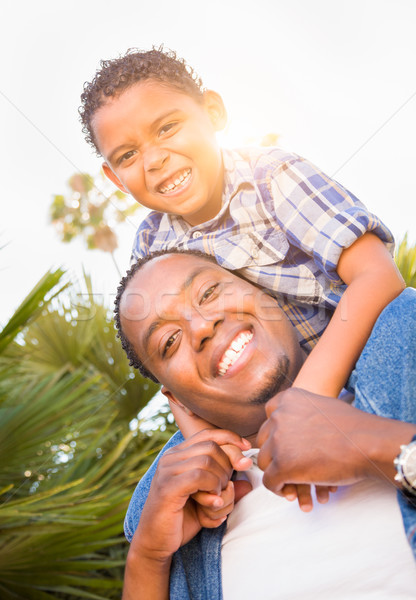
column 142, row 490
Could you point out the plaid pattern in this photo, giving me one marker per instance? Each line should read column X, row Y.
column 283, row 225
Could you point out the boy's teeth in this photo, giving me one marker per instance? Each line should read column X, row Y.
column 234, row 351
column 178, row 181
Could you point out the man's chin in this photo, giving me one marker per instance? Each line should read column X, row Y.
column 274, row 382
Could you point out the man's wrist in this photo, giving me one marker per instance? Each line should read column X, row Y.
column 405, row 464
column 385, row 447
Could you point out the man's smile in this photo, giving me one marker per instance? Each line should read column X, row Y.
column 234, row 351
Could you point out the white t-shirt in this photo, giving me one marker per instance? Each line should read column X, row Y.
column 352, row 548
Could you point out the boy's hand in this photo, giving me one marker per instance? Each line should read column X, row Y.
column 190, row 424
column 302, row 491
column 213, row 509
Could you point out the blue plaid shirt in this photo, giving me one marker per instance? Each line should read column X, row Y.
column 283, row 225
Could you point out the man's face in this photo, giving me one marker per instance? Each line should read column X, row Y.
column 160, row 146
column 214, row 341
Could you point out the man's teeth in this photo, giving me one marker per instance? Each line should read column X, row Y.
column 234, row 351
column 183, row 177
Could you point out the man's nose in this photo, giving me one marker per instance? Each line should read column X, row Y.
column 154, row 158
column 202, row 327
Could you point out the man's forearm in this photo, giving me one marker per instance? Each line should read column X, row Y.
column 313, row 439
column 145, row 577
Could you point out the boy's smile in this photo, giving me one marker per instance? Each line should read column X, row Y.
column 159, row 145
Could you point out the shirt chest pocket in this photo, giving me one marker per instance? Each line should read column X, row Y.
column 254, row 248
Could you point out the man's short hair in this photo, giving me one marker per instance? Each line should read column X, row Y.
column 134, row 360
column 116, row 75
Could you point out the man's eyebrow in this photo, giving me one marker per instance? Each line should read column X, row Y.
column 153, row 125
column 154, row 325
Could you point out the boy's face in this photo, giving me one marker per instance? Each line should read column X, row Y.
column 159, row 145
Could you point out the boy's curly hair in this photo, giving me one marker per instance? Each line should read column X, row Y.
column 118, row 74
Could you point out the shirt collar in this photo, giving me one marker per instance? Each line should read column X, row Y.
column 237, row 173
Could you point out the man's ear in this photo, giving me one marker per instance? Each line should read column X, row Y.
column 175, row 401
column 112, row 177
column 215, row 108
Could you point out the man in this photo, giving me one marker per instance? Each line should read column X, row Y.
column 221, row 349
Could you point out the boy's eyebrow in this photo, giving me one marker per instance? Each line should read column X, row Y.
column 154, row 325
column 153, row 125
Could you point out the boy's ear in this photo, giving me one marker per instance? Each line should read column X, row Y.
column 215, row 108
column 175, row 401
column 112, row 177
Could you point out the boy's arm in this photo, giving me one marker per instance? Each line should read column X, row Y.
column 373, row 281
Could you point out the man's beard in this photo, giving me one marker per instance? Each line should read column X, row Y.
column 274, row 382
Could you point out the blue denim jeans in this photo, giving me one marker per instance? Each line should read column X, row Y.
column 384, row 383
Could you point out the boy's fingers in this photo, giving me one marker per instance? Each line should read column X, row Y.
column 241, row 488
column 214, row 508
column 238, row 461
column 289, row 492
column 220, row 437
column 322, row 493
column 301, row 491
column 304, row 497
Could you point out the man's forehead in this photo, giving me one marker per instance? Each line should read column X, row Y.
column 178, row 269
column 165, row 277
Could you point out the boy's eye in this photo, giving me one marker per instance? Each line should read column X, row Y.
column 169, row 342
column 166, row 128
column 208, row 293
column 126, row 156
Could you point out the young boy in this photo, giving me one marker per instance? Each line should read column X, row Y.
column 269, row 214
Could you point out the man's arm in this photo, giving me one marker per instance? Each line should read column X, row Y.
column 312, row 439
column 373, row 281
column 170, row 518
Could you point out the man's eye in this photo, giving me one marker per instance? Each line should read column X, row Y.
column 208, row 293
column 166, row 128
column 170, row 341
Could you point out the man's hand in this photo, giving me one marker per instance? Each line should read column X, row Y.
column 170, row 517
column 314, row 439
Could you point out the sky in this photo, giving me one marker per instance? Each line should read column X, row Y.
column 335, row 79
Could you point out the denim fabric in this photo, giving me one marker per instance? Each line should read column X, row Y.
column 196, row 567
column 384, row 379
column 384, row 383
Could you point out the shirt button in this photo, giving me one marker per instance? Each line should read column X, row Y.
column 254, row 252
column 196, row 235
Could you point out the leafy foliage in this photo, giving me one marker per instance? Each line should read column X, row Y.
column 69, row 458
column 91, row 212
column 406, row 261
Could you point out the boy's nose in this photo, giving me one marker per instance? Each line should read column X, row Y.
column 154, row 158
